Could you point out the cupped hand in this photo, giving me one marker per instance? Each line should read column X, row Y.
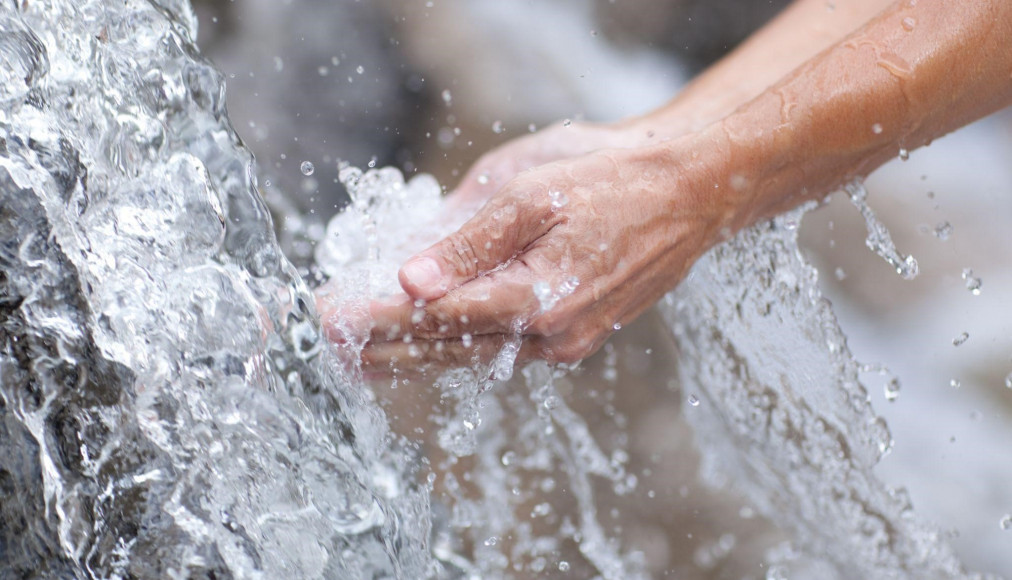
column 563, row 254
column 559, row 141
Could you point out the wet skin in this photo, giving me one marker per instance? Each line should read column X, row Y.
column 812, row 101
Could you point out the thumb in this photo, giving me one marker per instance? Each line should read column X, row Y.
column 500, row 230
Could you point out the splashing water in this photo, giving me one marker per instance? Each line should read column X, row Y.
column 168, row 407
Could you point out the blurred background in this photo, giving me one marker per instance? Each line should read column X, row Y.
column 431, row 85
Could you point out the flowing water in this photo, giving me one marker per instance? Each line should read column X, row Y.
column 170, row 409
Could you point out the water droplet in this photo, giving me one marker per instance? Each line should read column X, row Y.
column 840, row 274
column 904, row 154
column 943, row 231
column 447, row 97
column 567, row 123
column 892, row 389
column 360, row 69
column 532, row 128
column 563, row 566
column 323, row 71
column 1008, row 381
column 372, row 162
column 541, row 510
column 876, row 128
column 467, row 340
column 955, row 383
column 694, row 400
column 307, row 168
column 552, row 402
column 617, row 326
column 491, row 541
column 508, row 458
column 483, row 178
column 497, row 127
column 909, row 23
column 559, row 199
column 1005, row 522
column 963, row 337
column 973, row 283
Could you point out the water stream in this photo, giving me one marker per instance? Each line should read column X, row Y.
column 170, row 409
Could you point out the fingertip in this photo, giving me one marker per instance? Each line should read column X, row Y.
column 421, row 277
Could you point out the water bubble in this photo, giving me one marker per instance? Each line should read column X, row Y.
column 904, row 154
column 360, row 69
column 508, row 458
column 909, row 23
column 323, row 71
column 447, row 97
column 532, row 128
column 467, row 340
column 483, row 179
column 567, row 123
column 694, row 400
column 840, row 274
column 943, row 231
column 491, row 541
column 955, row 383
column 497, row 127
column 876, row 128
column 1008, row 380
column 616, row 326
column 963, row 337
column 563, row 566
column 307, row 168
column 1005, row 522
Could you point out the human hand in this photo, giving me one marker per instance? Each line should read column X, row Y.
column 563, row 254
column 559, row 141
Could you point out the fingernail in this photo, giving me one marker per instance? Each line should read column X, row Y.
column 424, row 274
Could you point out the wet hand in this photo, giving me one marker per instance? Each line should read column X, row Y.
column 563, row 255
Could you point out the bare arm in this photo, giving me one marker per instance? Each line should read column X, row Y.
column 638, row 217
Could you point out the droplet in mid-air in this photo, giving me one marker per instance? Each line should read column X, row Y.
column 963, row 337
column 943, row 231
column 307, row 168
column 973, row 283
column 892, row 389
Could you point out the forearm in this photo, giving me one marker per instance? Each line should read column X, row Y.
column 801, row 31
column 917, row 71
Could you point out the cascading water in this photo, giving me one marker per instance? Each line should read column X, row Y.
column 169, row 408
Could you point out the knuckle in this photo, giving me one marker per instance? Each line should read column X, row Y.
column 460, row 253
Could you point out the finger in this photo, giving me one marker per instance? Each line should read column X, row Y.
column 424, row 357
column 497, row 303
column 502, row 228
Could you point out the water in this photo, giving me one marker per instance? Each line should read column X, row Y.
column 169, row 408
